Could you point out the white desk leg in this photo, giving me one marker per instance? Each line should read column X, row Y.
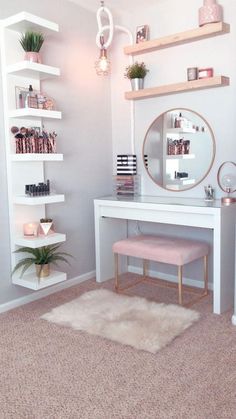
column 107, row 232
column 224, row 262
column 234, row 315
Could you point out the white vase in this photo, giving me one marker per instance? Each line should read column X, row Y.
column 137, row 84
column 46, row 227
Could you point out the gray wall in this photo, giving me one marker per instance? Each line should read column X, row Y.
column 84, row 135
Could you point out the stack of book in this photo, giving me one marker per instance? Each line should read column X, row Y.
column 126, row 185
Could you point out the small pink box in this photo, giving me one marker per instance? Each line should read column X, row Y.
column 204, row 73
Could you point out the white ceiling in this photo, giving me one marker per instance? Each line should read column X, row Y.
column 116, row 5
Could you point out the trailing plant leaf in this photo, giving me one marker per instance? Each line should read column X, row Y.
column 31, row 41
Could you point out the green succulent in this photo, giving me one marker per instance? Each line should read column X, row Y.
column 136, row 71
column 40, row 256
column 31, row 41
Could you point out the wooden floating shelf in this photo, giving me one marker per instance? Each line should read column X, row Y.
column 36, row 157
column 217, row 81
column 39, row 241
column 23, row 22
column 32, row 113
column 31, row 280
column 206, row 31
column 32, row 70
column 38, row 200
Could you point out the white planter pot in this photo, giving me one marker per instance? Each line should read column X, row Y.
column 46, row 227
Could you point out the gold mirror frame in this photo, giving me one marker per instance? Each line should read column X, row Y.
column 213, row 149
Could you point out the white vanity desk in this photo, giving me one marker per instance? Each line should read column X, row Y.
column 112, row 214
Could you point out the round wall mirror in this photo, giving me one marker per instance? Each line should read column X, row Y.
column 179, row 149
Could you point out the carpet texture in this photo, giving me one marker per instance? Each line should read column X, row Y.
column 132, row 321
column 51, row 372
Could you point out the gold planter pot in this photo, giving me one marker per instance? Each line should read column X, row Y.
column 42, row 271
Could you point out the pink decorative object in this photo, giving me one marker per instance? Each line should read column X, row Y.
column 30, row 229
column 210, row 12
column 32, row 56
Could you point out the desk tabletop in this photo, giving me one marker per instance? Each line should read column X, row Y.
column 147, row 199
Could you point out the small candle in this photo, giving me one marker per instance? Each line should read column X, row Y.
column 30, row 229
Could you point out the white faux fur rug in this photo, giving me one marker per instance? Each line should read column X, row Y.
column 132, row 321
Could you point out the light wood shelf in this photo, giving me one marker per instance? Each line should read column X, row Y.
column 196, row 34
column 217, row 81
column 31, row 280
column 39, row 241
column 32, row 70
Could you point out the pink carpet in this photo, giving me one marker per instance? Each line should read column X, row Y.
column 52, row 372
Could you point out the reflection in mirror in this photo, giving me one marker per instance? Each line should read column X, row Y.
column 179, row 149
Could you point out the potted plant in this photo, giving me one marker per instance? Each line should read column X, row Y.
column 46, row 224
column 41, row 258
column 31, row 43
column 136, row 73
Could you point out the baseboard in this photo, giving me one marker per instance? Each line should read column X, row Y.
column 171, row 278
column 46, row 291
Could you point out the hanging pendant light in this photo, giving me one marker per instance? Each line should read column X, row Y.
column 102, row 65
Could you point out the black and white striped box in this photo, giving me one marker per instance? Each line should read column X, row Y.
column 126, row 164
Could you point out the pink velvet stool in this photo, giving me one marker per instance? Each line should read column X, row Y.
column 174, row 251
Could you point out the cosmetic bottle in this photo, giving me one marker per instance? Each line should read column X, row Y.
column 31, row 99
column 21, row 101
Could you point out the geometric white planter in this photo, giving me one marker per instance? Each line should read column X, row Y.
column 46, row 227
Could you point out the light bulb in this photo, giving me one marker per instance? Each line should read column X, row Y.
column 229, row 182
column 102, row 65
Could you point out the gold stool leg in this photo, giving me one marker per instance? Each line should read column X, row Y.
column 116, row 265
column 145, row 268
column 180, row 280
column 206, row 275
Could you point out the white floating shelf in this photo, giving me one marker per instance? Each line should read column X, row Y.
column 31, row 280
column 180, row 131
column 183, row 181
column 35, row 242
column 36, row 157
column 34, row 113
column 38, row 200
column 23, row 22
column 32, row 70
column 180, row 156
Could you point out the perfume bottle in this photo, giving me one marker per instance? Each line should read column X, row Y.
column 31, row 99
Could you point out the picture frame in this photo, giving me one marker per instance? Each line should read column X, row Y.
column 142, row 33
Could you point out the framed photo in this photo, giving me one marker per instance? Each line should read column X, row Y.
column 142, row 33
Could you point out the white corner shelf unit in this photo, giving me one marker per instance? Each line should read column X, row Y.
column 32, row 70
column 31, row 113
column 36, row 157
column 24, row 169
column 39, row 241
